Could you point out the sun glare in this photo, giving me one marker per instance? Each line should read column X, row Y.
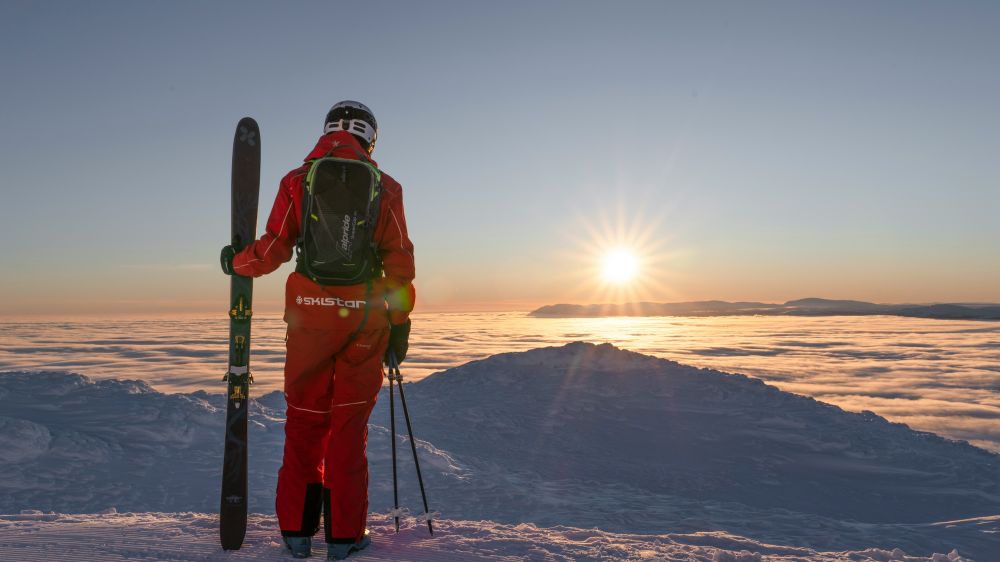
column 619, row 266
column 620, row 253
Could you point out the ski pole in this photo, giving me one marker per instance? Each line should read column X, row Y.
column 392, row 418
column 413, row 444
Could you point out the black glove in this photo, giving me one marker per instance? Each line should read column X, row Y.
column 226, row 258
column 399, row 341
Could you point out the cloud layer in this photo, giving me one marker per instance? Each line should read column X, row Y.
column 933, row 375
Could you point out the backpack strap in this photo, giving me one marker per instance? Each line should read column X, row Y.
column 300, row 239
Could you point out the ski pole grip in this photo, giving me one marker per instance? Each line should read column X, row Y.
column 394, row 367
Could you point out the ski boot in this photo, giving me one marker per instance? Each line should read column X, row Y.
column 300, row 547
column 340, row 551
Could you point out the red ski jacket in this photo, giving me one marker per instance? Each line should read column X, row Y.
column 308, row 304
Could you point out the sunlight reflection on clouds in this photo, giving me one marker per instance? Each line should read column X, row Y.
column 934, row 375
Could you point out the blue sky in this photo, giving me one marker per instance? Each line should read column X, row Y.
column 764, row 150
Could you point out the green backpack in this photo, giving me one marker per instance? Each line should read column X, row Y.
column 340, row 206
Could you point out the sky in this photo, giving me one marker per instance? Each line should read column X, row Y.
column 742, row 150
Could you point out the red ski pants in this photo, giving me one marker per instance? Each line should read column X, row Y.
column 331, row 383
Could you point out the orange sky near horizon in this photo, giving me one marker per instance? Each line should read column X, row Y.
column 204, row 290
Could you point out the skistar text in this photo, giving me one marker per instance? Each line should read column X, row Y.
column 329, row 301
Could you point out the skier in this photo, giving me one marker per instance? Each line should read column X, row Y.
column 337, row 338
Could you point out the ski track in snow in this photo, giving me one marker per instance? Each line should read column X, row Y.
column 135, row 537
column 581, row 435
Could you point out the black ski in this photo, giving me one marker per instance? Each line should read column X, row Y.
column 245, row 187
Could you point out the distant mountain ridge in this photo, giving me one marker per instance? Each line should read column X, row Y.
column 812, row 306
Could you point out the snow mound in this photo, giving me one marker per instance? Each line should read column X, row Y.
column 606, row 416
column 69, row 443
column 194, row 537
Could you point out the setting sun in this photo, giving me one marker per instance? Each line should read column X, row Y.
column 619, row 266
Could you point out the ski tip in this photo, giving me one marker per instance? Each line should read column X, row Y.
column 247, row 132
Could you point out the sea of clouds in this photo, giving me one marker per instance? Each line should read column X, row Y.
column 934, row 375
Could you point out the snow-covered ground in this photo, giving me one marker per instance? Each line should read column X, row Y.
column 36, row 537
column 701, row 464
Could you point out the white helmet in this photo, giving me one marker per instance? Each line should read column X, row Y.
column 355, row 118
